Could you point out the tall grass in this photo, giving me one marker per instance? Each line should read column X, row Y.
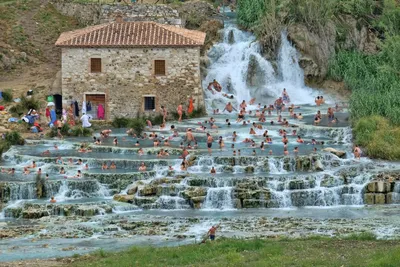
column 373, row 80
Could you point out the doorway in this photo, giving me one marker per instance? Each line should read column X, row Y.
column 58, row 103
column 94, row 104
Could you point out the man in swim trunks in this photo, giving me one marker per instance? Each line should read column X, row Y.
column 189, row 136
column 278, row 105
column 229, row 107
column 209, row 143
column 211, row 232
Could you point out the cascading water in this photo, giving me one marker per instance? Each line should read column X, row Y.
column 218, row 198
column 244, row 73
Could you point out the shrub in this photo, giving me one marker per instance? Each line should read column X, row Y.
column 80, row 131
column 25, row 105
column 198, row 112
column 120, row 122
column 14, row 138
column 378, row 137
column 7, row 95
column 65, row 130
column 137, row 125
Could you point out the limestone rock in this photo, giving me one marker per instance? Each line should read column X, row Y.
column 380, row 199
column 148, row 190
column 339, row 153
column 193, row 192
column 123, row 198
column 369, row 198
column 132, row 190
column 318, row 165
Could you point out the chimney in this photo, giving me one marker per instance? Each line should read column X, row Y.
column 119, row 19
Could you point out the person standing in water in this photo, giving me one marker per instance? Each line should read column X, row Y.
column 357, row 152
column 211, row 232
column 164, row 113
column 179, row 109
column 209, row 143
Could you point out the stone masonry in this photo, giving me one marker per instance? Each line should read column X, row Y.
column 94, row 13
column 127, row 76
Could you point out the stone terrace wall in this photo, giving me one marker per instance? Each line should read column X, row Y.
column 92, row 13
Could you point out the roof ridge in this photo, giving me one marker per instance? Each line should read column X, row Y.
column 171, row 27
column 131, row 33
column 80, row 32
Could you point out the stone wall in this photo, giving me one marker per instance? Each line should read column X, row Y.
column 127, row 75
column 90, row 14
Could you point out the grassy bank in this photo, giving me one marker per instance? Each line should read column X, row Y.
column 356, row 250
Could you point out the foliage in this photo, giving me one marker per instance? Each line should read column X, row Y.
column 138, row 125
column 250, row 11
column 198, row 112
column 66, row 130
column 120, row 122
column 80, row 131
column 377, row 137
column 52, row 23
column 365, row 236
column 14, row 138
column 356, row 250
column 11, row 139
column 373, row 81
column 25, row 105
column 389, row 21
column 7, row 95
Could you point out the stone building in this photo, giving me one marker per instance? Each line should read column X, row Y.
column 131, row 68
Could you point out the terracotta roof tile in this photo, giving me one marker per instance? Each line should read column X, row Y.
column 131, row 34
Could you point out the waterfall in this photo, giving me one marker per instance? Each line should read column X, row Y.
column 168, row 202
column 218, row 198
column 22, row 190
column 276, row 166
column 244, row 73
column 75, row 189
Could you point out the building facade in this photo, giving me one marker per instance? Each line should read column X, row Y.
column 131, row 68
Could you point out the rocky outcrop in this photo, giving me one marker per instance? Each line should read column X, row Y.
column 36, row 211
column 123, row 198
column 317, row 46
column 339, row 153
column 94, row 13
column 195, row 13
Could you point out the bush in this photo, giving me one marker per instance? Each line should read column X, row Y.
column 25, row 105
column 379, row 139
column 80, row 131
column 120, row 122
column 65, row 131
column 138, row 125
column 7, row 95
column 199, row 112
column 14, row 138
